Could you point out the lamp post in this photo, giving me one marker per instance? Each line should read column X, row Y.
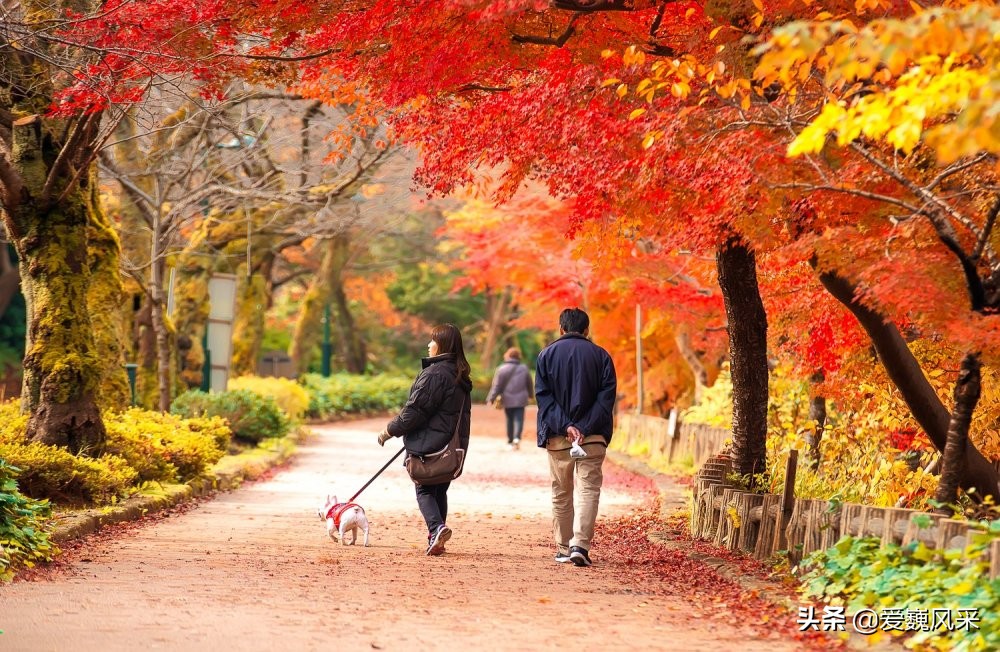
column 132, row 369
column 206, row 366
column 327, row 347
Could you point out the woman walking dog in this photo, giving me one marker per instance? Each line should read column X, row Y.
column 438, row 404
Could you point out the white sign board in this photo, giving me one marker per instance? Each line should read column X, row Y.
column 221, row 311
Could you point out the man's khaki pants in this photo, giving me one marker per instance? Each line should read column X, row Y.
column 573, row 525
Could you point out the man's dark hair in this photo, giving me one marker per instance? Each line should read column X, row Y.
column 574, row 320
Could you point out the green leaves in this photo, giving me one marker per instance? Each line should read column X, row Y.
column 863, row 574
column 23, row 540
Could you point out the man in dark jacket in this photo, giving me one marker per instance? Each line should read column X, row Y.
column 575, row 388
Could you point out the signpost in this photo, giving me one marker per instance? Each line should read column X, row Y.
column 219, row 332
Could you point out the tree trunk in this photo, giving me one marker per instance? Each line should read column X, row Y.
column 105, row 298
column 497, row 308
column 967, row 390
column 352, row 344
column 10, row 278
column 737, row 267
column 160, row 333
column 906, row 374
column 62, row 370
column 694, row 364
column 817, row 415
column 248, row 330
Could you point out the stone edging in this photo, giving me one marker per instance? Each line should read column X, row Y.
column 228, row 474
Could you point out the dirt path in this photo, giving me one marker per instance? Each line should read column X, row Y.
column 254, row 570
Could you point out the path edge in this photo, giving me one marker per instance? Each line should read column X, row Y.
column 227, row 474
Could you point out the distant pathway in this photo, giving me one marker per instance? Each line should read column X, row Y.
column 254, row 570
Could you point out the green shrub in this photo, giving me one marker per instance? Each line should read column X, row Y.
column 861, row 573
column 58, row 475
column 344, row 394
column 292, row 398
column 251, row 417
column 165, row 447
column 23, row 538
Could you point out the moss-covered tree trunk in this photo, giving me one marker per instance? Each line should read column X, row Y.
column 62, row 367
column 327, row 287
column 747, row 321
column 252, row 302
column 105, row 298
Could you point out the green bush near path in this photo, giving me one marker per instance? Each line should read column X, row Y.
column 251, row 417
column 344, row 394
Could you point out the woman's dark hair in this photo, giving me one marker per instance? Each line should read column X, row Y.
column 574, row 320
column 449, row 340
column 512, row 354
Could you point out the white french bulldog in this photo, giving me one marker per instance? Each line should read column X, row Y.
column 342, row 518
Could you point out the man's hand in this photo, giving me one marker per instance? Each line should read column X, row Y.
column 383, row 437
column 574, row 435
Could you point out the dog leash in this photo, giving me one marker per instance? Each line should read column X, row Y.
column 391, row 459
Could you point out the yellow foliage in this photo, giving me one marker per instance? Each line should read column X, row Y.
column 292, row 398
column 165, row 447
column 12, row 422
column 933, row 77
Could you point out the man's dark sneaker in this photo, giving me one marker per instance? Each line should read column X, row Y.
column 562, row 557
column 579, row 556
column 435, row 545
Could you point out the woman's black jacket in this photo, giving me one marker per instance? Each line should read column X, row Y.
column 437, row 401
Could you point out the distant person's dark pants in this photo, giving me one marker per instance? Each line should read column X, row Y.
column 515, row 423
column 433, row 503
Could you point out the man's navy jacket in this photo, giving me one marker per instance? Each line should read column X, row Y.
column 575, row 385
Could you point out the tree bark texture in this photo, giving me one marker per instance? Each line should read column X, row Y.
column 905, row 372
column 967, row 391
column 737, row 267
column 253, row 299
column 62, row 367
column 105, row 298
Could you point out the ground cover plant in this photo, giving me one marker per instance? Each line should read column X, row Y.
column 860, row 573
column 24, row 539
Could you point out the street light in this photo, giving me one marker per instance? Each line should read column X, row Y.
column 327, row 347
column 132, row 369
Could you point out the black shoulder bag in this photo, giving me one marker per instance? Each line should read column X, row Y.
column 443, row 466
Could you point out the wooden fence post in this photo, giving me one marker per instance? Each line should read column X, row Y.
column 787, row 497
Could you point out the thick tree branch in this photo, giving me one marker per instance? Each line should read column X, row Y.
column 906, row 374
column 557, row 41
column 984, row 237
column 600, row 5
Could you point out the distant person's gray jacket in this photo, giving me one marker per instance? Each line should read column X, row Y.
column 512, row 380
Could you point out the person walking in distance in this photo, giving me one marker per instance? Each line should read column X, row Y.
column 438, row 404
column 512, row 385
column 575, row 388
